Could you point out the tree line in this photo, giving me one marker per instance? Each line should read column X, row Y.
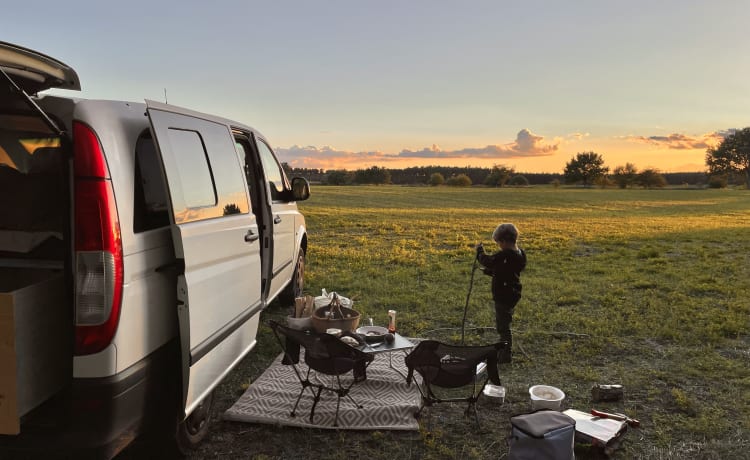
column 497, row 176
column 727, row 163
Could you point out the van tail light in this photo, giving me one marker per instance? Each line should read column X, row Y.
column 98, row 246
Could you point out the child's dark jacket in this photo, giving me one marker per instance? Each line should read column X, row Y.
column 505, row 266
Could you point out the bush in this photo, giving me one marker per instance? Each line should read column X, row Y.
column 651, row 178
column 717, row 182
column 339, row 177
column 462, row 180
column 436, row 179
column 555, row 183
column 519, row 181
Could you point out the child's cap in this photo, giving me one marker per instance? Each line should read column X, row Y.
column 505, row 232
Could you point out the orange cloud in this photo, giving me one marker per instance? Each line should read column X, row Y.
column 679, row 141
column 526, row 145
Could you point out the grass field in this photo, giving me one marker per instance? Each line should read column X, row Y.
column 645, row 288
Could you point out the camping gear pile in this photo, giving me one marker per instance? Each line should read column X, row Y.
column 326, row 311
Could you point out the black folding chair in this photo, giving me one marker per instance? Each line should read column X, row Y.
column 325, row 354
column 452, row 366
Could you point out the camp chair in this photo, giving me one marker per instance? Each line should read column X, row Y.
column 325, row 354
column 453, row 366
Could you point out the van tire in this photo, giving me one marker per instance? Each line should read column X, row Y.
column 191, row 431
column 296, row 286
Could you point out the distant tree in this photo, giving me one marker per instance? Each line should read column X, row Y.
column 498, row 176
column 651, row 178
column 584, row 168
column 436, row 179
column 731, row 156
column 339, row 177
column 461, row 180
column 373, row 175
column 624, row 176
column 518, row 181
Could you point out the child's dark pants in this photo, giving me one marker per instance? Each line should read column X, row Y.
column 503, row 318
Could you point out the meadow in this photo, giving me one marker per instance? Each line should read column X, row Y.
column 644, row 288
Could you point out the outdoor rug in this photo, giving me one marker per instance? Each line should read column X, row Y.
column 389, row 404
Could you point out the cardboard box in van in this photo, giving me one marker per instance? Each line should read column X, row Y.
column 35, row 342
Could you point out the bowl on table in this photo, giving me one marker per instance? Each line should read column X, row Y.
column 372, row 334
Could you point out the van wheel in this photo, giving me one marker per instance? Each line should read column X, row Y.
column 296, row 286
column 194, row 429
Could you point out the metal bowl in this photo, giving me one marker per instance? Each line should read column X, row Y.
column 372, row 334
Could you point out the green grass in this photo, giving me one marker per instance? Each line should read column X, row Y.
column 646, row 288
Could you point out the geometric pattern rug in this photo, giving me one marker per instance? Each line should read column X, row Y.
column 389, row 404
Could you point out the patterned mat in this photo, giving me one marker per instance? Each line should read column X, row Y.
column 389, row 404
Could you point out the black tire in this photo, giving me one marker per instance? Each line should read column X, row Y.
column 296, row 286
column 193, row 430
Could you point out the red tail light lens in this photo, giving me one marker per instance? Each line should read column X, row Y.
column 98, row 246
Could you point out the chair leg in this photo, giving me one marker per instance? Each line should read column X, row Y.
column 336, row 417
column 472, row 408
column 294, row 409
column 305, row 385
column 315, row 403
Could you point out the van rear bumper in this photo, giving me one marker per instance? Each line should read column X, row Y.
column 100, row 416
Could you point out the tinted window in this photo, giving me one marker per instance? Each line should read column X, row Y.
column 150, row 190
column 274, row 173
column 204, row 173
column 193, row 169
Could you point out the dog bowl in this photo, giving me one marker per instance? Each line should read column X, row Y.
column 546, row 397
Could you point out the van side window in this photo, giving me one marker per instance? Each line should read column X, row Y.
column 150, row 190
column 274, row 172
column 209, row 180
column 193, row 169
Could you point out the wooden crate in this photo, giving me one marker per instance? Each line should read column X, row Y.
column 36, row 330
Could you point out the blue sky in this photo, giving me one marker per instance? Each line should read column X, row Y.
column 347, row 84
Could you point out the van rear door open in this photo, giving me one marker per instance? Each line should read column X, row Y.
column 217, row 247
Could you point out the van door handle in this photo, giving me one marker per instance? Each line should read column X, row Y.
column 277, row 220
column 250, row 236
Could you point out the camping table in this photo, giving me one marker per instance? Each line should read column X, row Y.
column 400, row 343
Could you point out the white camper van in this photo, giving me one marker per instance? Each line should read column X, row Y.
column 139, row 243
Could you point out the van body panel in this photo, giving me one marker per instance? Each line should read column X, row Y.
column 208, row 372
column 285, row 249
column 147, row 318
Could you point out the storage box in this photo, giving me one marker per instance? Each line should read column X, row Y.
column 36, row 334
column 545, row 434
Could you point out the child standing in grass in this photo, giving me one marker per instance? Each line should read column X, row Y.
column 505, row 267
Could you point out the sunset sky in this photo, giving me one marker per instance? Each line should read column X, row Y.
column 350, row 84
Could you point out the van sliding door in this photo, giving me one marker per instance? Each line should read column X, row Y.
column 216, row 238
